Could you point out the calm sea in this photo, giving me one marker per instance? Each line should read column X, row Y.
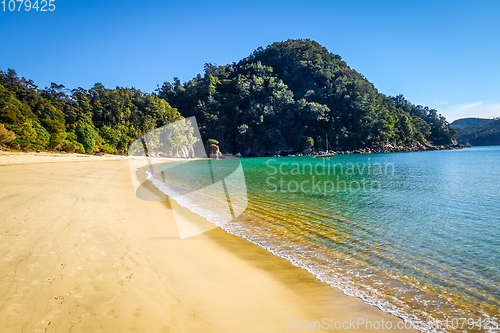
column 415, row 234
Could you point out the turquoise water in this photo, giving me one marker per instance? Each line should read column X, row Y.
column 416, row 234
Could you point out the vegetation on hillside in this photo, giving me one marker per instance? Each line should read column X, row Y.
column 288, row 96
column 438, row 131
column 478, row 131
column 94, row 120
column 293, row 90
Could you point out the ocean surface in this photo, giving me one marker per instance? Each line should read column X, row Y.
column 415, row 234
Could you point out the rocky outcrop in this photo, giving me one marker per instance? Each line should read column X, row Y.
column 214, row 152
column 389, row 148
column 376, row 149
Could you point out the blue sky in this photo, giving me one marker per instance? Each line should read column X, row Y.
column 444, row 54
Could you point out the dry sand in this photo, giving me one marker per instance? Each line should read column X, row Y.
column 79, row 252
column 7, row 157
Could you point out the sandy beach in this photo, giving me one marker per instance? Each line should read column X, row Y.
column 79, row 252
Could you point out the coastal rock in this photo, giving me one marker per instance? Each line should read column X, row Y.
column 214, row 151
column 375, row 149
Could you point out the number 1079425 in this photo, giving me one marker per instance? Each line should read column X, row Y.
column 27, row 5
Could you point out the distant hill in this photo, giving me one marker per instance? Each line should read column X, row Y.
column 478, row 131
column 468, row 122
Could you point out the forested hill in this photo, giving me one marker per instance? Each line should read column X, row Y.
column 291, row 95
column 478, row 131
column 288, row 96
column 471, row 121
column 93, row 120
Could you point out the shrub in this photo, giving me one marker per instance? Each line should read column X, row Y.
column 19, row 144
column 69, row 147
column 107, row 148
column 6, row 135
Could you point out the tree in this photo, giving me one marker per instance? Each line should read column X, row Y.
column 422, row 129
column 87, row 136
column 304, row 142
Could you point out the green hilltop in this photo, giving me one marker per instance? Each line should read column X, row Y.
column 294, row 93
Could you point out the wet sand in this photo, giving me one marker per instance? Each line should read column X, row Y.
column 80, row 252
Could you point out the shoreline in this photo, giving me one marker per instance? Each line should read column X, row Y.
column 13, row 157
column 376, row 149
column 80, row 251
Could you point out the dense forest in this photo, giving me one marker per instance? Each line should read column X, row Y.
column 94, row 120
column 478, row 131
column 292, row 94
column 288, row 96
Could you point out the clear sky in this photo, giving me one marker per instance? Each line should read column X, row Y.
column 444, row 54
